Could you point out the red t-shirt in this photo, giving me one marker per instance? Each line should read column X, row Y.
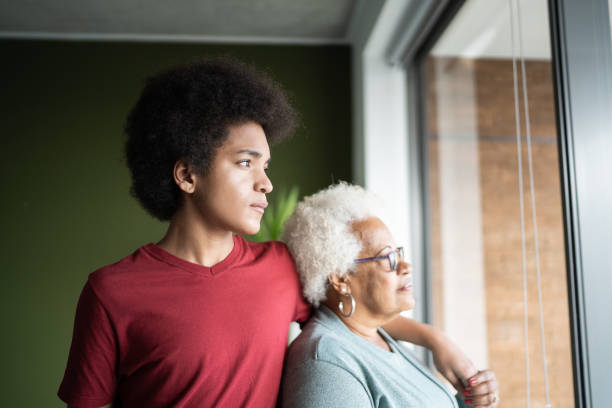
column 154, row 330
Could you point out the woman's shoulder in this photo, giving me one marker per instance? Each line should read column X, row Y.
column 320, row 341
column 320, row 370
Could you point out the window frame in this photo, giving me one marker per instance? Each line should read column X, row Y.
column 582, row 50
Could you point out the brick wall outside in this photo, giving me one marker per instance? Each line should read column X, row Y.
column 489, row 85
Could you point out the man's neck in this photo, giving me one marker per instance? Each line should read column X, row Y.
column 196, row 242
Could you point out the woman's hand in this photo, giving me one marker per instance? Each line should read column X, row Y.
column 478, row 388
column 482, row 390
column 452, row 362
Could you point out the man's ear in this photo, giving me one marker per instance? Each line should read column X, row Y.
column 184, row 176
column 340, row 284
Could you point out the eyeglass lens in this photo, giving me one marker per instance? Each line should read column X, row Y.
column 393, row 258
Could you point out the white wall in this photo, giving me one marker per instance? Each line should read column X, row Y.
column 380, row 126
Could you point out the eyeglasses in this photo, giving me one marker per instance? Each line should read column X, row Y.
column 393, row 258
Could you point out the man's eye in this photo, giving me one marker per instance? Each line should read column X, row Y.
column 244, row 163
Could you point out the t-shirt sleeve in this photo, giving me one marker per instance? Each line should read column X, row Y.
column 303, row 309
column 90, row 378
column 319, row 384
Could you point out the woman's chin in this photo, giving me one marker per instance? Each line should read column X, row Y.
column 408, row 304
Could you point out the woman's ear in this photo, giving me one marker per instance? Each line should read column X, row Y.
column 340, row 283
column 184, row 177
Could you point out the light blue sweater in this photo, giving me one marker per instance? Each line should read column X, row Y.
column 330, row 366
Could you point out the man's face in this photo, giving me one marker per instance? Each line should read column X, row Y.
column 232, row 196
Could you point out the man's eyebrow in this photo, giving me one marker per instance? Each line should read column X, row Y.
column 250, row 152
column 253, row 153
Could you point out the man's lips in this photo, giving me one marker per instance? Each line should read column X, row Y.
column 259, row 207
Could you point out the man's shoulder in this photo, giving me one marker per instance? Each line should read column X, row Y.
column 270, row 253
column 117, row 273
column 273, row 247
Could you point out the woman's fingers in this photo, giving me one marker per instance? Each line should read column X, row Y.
column 483, row 390
column 481, row 377
column 483, row 401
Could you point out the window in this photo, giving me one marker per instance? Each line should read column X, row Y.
column 498, row 270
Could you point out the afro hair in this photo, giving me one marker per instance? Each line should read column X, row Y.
column 184, row 114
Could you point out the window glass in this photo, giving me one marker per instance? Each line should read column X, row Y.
column 479, row 240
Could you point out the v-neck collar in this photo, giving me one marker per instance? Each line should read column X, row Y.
column 166, row 257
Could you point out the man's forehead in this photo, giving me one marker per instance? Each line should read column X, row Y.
column 246, row 145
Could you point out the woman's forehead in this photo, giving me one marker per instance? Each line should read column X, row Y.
column 373, row 233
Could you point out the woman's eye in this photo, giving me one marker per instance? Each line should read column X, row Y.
column 386, row 261
column 244, row 163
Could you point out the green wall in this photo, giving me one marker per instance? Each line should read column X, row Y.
column 65, row 203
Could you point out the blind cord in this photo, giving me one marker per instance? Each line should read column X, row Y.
column 533, row 206
column 521, row 206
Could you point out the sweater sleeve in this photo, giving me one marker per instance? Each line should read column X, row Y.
column 460, row 402
column 320, row 384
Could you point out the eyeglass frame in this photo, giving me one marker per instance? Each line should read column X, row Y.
column 387, row 256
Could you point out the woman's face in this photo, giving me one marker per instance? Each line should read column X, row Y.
column 382, row 291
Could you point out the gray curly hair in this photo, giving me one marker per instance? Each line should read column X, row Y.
column 320, row 238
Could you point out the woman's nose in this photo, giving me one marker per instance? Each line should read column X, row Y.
column 404, row 268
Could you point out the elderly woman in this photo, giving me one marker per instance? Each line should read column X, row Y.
column 353, row 271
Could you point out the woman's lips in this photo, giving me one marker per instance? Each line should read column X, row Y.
column 406, row 286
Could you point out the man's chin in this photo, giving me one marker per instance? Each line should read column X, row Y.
column 248, row 229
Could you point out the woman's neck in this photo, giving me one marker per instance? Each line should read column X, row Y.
column 196, row 242
column 361, row 324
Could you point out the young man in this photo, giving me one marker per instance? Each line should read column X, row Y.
column 200, row 319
